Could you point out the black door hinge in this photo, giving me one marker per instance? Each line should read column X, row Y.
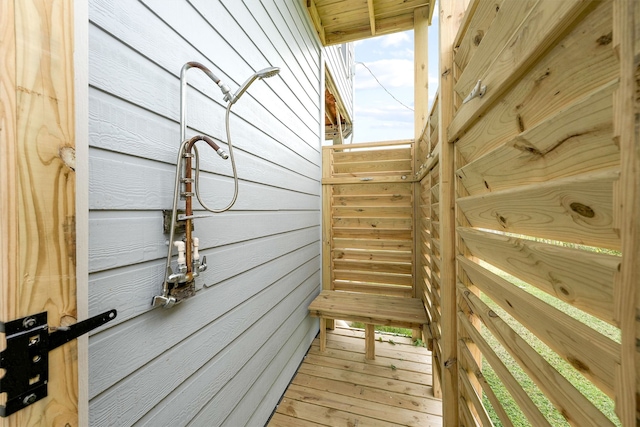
column 26, row 357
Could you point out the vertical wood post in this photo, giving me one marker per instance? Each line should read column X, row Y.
column 37, row 188
column 626, row 129
column 450, row 16
column 421, row 116
column 421, row 73
column 327, row 271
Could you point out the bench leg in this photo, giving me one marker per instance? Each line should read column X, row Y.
column 369, row 342
column 323, row 334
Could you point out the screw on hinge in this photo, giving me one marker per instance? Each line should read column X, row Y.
column 29, row 322
column 29, row 399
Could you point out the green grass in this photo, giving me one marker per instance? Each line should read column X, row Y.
column 404, row 332
column 590, row 391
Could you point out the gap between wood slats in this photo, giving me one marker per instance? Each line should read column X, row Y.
column 577, row 209
column 479, row 17
column 581, row 63
column 539, row 27
column 472, row 397
column 580, row 278
column 569, row 401
column 469, row 363
column 563, row 334
column 577, row 139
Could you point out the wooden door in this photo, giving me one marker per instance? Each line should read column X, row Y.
column 37, row 188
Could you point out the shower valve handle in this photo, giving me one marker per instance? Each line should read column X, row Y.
column 203, row 264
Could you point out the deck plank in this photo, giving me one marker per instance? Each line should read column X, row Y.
column 340, row 387
column 346, row 355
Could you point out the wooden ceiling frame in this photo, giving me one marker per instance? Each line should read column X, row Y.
column 343, row 21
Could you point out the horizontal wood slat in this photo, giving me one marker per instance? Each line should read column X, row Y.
column 577, row 139
column 480, row 15
column 582, row 279
column 374, row 200
column 472, row 397
column 373, row 255
column 373, row 277
column 373, row 166
column 469, row 363
column 371, row 155
column 373, row 309
column 369, row 188
column 373, row 223
column 376, row 266
column 580, row 64
column 506, row 54
column 577, row 209
column 569, row 401
column 526, row 405
column 373, row 244
column 373, row 288
column 372, row 233
column 563, row 334
column 370, row 223
column 371, row 211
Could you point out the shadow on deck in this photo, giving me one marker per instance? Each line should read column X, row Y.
column 341, row 388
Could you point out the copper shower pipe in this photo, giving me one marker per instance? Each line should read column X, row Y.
column 188, row 188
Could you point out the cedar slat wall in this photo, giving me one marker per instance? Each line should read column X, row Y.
column 535, row 159
column 368, row 219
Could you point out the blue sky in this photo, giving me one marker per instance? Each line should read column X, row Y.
column 378, row 117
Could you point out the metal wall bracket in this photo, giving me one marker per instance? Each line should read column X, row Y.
column 180, row 227
column 26, row 357
column 478, row 91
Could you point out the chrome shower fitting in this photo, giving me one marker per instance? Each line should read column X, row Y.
column 262, row 74
column 181, row 285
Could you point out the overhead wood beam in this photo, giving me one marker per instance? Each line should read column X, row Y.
column 432, row 7
column 317, row 21
column 372, row 17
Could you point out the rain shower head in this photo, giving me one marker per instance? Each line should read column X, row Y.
column 262, row 74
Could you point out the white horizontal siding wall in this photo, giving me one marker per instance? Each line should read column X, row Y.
column 340, row 61
column 225, row 356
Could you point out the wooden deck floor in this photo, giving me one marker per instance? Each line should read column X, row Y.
column 341, row 388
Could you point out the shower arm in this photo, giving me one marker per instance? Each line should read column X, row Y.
column 183, row 91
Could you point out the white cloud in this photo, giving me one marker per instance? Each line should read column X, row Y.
column 390, row 72
column 394, row 39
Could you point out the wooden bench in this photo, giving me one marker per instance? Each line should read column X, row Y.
column 369, row 309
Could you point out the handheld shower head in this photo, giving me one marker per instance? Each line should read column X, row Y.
column 262, row 74
column 268, row 72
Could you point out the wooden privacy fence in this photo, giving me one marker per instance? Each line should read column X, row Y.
column 368, row 218
column 534, row 168
column 513, row 217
